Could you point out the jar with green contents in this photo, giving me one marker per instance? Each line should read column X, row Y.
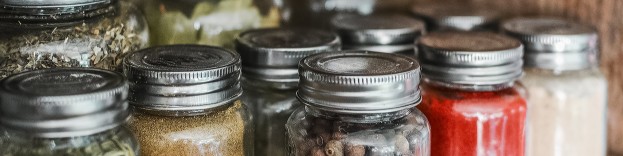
column 69, row 111
column 270, row 78
column 185, row 101
column 206, row 22
column 37, row 34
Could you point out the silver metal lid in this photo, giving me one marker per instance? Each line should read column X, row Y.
column 456, row 17
column 553, row 43
column 182, row 78
column 359, row 82
column 64, row 102
column 551, row 34
column 471, row 58
column 405, row 49
column 378, row 29
column 273, row 54
column 47, row 7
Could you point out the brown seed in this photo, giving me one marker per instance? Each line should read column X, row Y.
column 334, row 148
column 316, row 151
column 354, row 150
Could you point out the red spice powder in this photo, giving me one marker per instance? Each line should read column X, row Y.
column 469, row 123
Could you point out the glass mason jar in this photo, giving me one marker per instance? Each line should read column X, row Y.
column 270, row 77
column 72, row 33
column 206, row 22
column 185, row 101
column 319, row 13
column 568, row 94
column 65, row 111
column 359, row 103
column 382, row 33
column 457, row 16
column 471, row 99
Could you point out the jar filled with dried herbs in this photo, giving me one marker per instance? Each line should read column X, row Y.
column 207, row 22
column 270, row 78
column 185, row 103
column 382, row 33
column 72, row 33
column 68, row 111
column 358, row 103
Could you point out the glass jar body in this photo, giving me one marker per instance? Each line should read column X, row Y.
column 206, row 22
column 314, row 132
column 98, row 42
column 225, row 132
column 318, row 13
column 270, row 106
column 116, row 142
column 567, row 112
column 475, row 123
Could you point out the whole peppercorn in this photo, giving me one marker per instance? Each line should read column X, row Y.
column 317, row 151
column 354, row 150
column 334, row 148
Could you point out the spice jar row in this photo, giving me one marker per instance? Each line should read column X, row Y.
column 185, row 97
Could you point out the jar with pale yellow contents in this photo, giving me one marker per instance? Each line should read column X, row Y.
column 185, row 101
column 207, row 22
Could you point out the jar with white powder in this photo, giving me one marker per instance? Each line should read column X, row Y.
column 567, row 92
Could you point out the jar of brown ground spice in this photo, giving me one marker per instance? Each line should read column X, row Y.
column 185, row 100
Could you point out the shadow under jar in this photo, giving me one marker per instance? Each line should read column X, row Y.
column 69, row 111
column 270, row 78
column 471, row 99
column 185, row 101
column 381, row 33
column 568, row 93
column 358, row 104
column 207, row 22
column 73, row 33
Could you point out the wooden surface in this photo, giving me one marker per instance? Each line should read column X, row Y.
column 605, row 15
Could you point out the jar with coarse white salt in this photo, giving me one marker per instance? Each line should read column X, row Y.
column 567, row 92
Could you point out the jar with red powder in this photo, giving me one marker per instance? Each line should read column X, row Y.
column 358, row 103
column 474, row 106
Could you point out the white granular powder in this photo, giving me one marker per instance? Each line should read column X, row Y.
column 566, row 113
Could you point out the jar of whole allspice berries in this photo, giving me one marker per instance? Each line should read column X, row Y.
column 185, row 101
column 69, row 33
column 358, row 103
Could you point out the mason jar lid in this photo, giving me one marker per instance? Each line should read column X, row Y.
column 456, row 17
column 63, row 102
column 49, row 7
column 543, row 34
column 405, row 49
column 273, row 54
column 182, row 78
column 553, row 43
column 378, row 29
column 471, row 58
column 359, row 82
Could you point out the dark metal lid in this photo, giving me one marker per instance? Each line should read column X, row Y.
column 50, row 7
column 182, row 78
column 63, row 102
column 273, row 54
column 456, row 17
column 470, row 57
column 554, row 43
column 359, row 82
column 378, row 29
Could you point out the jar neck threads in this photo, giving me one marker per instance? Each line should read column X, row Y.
column 358, row 118
column 470, row 87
